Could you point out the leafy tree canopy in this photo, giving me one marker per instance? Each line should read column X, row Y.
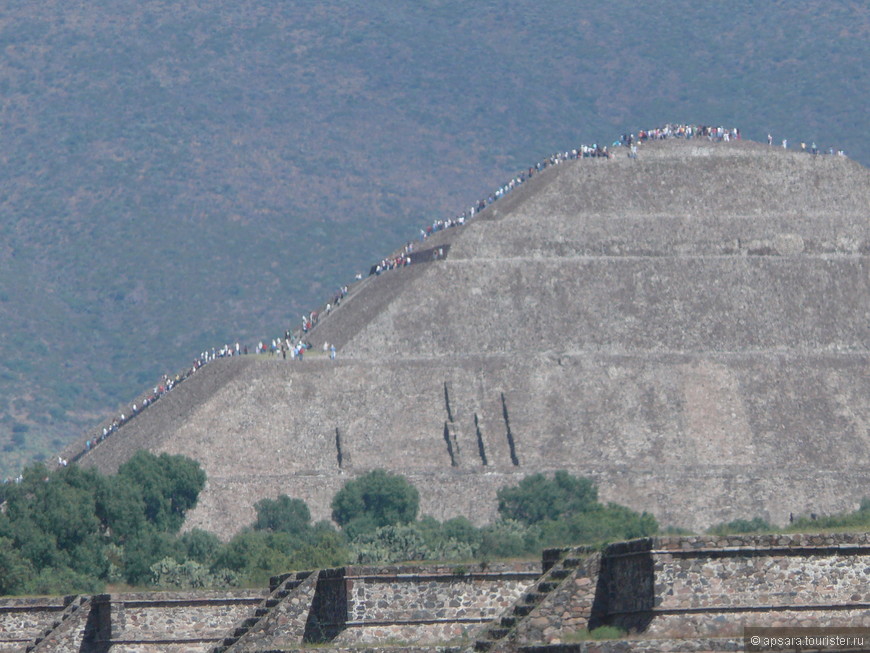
column 375, row 499
column 282, row 514
column 65, row 527
column 170, row 485
column 537, row 498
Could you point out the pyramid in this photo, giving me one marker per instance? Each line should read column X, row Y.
column 690, row 329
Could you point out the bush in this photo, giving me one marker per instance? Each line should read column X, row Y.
column 282, row 515
column 170, row 574
column 374, row 500
column 856, row 520
column 508, row 538
column 143, row 550
column 200, row 546
column 63, row 580
column 169, row 486
column 537, row 498
column 754, row 525
column 256, row 555
column 326, row 549
column 390, row 544
column 606, row 523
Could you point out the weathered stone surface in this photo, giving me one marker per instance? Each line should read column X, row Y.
column 566, row 609
column 690, row 329
column 283, row 626
column 22, row 619
column 426, row 603
column 69, row 635
column 145, row 622
column 712, row 587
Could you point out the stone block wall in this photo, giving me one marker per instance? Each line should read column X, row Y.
column 713, row 586
column 188, row 618
column 414, row 603
column 22, row 619
column 687, row 588
column 69, row 635
column 284, row 624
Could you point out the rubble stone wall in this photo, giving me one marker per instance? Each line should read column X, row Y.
column 416, row 603
column 183, row 616
column 22, row 619
column 713, row 586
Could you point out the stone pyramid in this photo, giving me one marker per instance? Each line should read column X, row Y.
column 689, row 328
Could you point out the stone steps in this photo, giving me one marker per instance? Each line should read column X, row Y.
column 281, row 589
column 75, row 603
column 497, row 631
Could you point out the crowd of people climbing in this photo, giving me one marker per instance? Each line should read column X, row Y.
column 294, row 342
column 811, row 149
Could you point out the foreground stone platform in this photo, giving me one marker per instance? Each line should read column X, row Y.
column 668, row 593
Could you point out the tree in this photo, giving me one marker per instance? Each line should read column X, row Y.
column 373, row 500
column 256, row 555
column 282, row 515
column 201, row 546
column 537, row 498
column 170, row 486
column 71, row 529
column 15, row 570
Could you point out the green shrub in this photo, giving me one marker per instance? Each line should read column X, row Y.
column 856, row 520
column 282, row 514
column 754, row 525
column 374, row 500
column 170, row 574
column 537, row 498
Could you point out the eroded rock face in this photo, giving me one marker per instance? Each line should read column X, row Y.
column 690, row 329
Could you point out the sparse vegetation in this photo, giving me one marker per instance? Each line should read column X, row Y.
column 754, row 525
column 856, row 520
column 600, row 633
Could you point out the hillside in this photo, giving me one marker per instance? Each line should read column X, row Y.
column 179, row 175
column 688, row 328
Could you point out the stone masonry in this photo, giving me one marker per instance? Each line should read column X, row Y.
column 712, row 587
column 672, row 594
column 696, row 317
column 420, row 603
column 22, row 619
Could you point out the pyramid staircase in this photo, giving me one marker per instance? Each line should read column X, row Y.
column 496, row 633
column 73, row 604
column 285, row 587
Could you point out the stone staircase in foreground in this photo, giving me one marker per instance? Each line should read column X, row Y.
column 285, row 589
column 567, row 565
column 45, row 640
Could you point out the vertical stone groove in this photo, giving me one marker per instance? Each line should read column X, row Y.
column 480, row 448
column 510, row 436
column 447, row 403
column 338, row 453
column 449, row 442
